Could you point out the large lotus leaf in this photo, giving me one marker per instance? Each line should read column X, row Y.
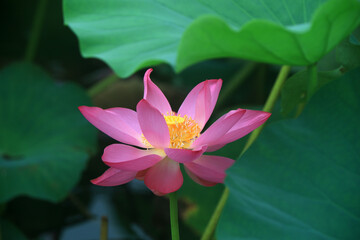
column 301, row 178
column 294, row 93
column 130, row 35
column 44, row 140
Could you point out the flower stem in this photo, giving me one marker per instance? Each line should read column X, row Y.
column 104, row 228
column 210, row 228
column 102, row 84
column 270, row 102
column 174, row 216
column 35, row 31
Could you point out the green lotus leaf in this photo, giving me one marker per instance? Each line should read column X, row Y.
column 300, row 179
column 130, row 35
column 294, row 94
column 44, row 140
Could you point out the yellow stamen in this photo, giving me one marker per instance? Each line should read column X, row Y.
column 170, row 120
column 183, row 131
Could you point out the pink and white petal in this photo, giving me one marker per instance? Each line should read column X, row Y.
column 184, row 155
column 199, row 180
column 202, row 106
column 200, row 102
column 154, row 95
column 153, row 125
column 128, row 116
column 164, row 177
column 114, row 177
column 115, row 122
column 129, row 158
column 215, row 87
column 188, row 106
column 210, row 168
column 213, row 135
column 251, row 120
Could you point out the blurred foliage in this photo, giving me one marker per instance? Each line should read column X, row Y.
column 58, row 50
column 37, row 124
column 9, row 231
column 35, row 217
column 348, row 52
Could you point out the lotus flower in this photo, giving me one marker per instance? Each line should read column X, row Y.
column 163, row 138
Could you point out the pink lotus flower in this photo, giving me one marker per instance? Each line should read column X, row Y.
column 164, row 139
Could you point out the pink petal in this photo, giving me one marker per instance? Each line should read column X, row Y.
column 141, row 175
column 114, row 177
column 215, row 147
column 218, row 129
column 154, row 95
column 118, row 123
column 250, row 121
column 129, row 117
column 184, row 155
column 199, row 180
column 165, row 177
column 200, row 102
column 210, row 168
column 129, row 158
column 153, row 125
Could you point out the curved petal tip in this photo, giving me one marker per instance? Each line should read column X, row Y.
column 154, row 95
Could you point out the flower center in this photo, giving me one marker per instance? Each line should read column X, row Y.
column 183, row 131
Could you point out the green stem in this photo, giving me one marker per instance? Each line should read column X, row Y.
column 174, row 216
column 104, row 228
column 235, row 81
column 270, row 102
column 101, row 85
column 313, row 80
column 35, row 31
column 210, row 228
